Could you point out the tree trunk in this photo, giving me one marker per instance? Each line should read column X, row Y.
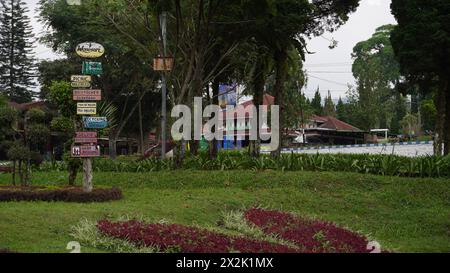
column 20, row 172
column 112, row 145
column 440, row 124
column 258, row 82
column 280, row 77
column 14, row 173
column 27, row 172
column 72, row 175
column 446, row 127
column 87, row 174
column 141, row 131
column 215, row 101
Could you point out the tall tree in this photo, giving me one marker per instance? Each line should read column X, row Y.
column 421, row 42
column 16, row 62
column 329, row 109
column 316, row 103
column 376, row 71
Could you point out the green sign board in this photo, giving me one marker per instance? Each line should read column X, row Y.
column 92, row 68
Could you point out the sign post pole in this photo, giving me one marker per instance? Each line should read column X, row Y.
column 86, row 142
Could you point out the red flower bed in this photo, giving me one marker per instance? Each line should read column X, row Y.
column 186, row 239
column 308, row 235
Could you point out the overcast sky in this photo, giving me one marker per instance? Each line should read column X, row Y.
column 330, row 69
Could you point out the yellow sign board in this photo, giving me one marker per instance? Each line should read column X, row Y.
column 86, row 111
column 90, row 50
column 86, row 108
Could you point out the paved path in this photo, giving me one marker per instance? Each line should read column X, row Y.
column 403, row 149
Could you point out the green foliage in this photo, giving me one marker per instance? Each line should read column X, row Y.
column 35, row 115
column 329, row 109
column 18, row 151
column 60, row 94
column 429, row 114
column 386, row 165
column 63, row 125
column 316, row 103
column 37, row 134
column 376, row 71
column 56, row 70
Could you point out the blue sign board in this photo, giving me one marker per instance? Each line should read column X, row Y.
column 95, row 122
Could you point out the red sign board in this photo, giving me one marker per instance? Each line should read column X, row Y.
column 87, row 94
column 86, row 151
column 86, row 137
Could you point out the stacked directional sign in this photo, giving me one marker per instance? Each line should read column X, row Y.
column 86, row 97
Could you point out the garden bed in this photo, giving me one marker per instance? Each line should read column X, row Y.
column 284, row 233
column 64, row 194
column 308, row 235
column 178, row 238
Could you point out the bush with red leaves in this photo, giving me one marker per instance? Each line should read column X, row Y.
column 178, row 238
column 66, row 194
column 309, row 235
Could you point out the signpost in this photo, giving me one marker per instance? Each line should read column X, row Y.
column 95, row 122
column 86, row 137
column 87, row 95
column 86, row 142
column 92, row 68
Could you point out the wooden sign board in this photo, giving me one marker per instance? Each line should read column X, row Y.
column 87, row 95
column 87, row 111
column 158, row 64
column 85, row 151
column 86, row 137
column 73, row 2
column 81, row 78
column 90, row 50
column 80, row 84
column 86, row 108
column 87, row 105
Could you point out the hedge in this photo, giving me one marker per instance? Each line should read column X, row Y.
column 66, row 194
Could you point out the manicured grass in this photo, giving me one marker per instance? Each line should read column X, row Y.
column 403, row 214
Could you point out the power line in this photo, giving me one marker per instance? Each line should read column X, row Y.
column 330, row 81
column 331, row 72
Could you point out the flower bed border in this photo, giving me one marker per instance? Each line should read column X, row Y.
column 63, row 194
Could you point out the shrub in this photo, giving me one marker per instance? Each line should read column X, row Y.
column 5, row 250
column 66, row 194
column 387, row 165
column 178, row 238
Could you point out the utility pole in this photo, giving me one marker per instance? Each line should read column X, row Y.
column 163, row 23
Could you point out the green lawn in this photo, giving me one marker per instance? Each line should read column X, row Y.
column 403, row 214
